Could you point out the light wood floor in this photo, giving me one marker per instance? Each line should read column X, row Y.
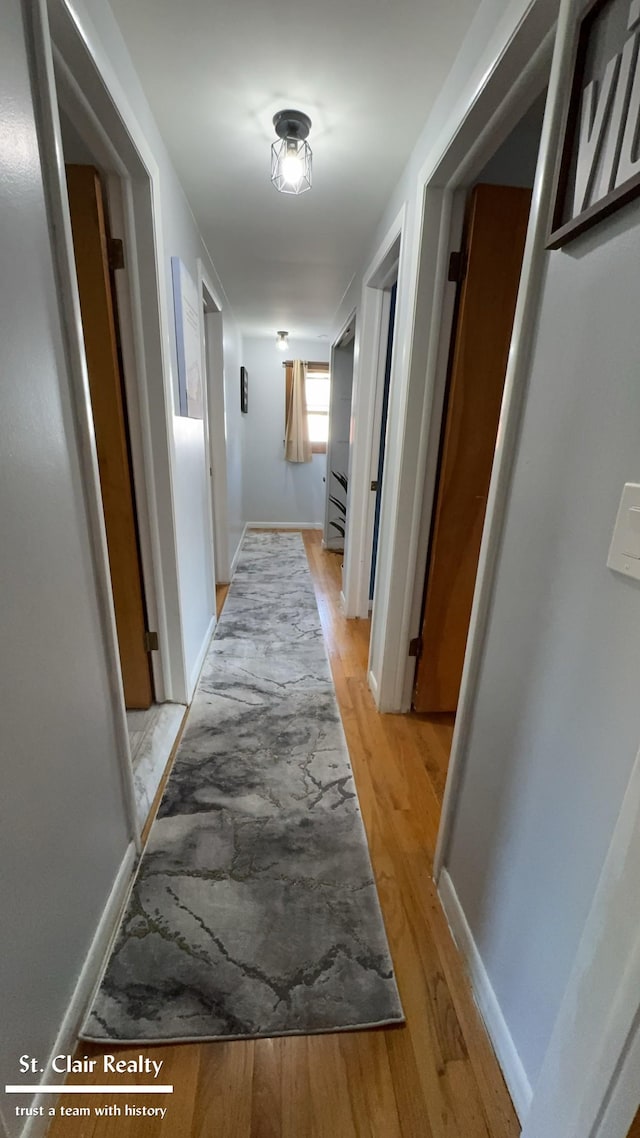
column 437, row 1076
column 221, row 596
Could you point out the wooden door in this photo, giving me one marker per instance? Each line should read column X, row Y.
column 91, row 248
column 493, row 247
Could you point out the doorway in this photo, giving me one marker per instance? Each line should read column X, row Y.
column 376, row 483
column 75, row 91
column 372, row 397
column 97, row 259
column 486, row 270
column 337, row 487
column 215, row 431
column 118, row 342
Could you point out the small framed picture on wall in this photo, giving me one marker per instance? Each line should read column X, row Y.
column 244, row 390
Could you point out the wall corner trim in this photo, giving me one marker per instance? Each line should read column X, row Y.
column 90, row 975
column 236, row 556
column 201, row 657
column 514, row 1073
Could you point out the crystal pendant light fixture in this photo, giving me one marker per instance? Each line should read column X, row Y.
column 291, row 154
column 283, row 341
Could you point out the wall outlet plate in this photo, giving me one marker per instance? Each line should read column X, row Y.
column 624, row 552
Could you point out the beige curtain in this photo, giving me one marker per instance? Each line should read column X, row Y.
column 297, row 447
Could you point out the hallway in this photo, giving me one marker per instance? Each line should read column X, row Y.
column 437, row 1076
column 216, row 279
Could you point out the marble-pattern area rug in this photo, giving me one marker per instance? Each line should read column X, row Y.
column 254, row 911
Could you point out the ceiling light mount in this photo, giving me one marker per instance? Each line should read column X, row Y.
column 291, row 155
column 292, row 124
column 283, row 341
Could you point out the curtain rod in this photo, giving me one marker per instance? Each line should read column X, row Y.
column 307, row 363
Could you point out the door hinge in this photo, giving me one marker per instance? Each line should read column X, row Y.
column 151, row 641
column 374, row 485
column 457, row 267
column 116, row 254
column 415, row 646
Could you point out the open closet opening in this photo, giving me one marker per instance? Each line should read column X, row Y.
column 371, row 395
column 215, row 436
column 338, row 443
column 380, row 425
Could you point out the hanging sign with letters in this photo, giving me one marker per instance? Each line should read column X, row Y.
column 599, row 169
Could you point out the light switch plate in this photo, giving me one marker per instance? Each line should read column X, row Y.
column 624, row 552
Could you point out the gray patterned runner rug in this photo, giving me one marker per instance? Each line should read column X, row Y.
column 254, row 912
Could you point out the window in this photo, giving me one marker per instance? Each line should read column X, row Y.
column 317, row 390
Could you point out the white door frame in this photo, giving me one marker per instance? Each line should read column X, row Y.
column 533, row 267
column 208, row 307
column 623, row 1099
column 94, row 91
column 46, row 111
column 425, row 306
column 80, row 113
column 216, row 435
column 372, row 322
column 484, row 121
column 52, row 22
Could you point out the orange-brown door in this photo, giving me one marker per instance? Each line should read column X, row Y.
column 91, row 248
column 493, row 247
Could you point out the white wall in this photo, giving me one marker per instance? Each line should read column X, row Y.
column 557, row 718
column 180, row 238
column 63, row 832
column 275, row 491
column 514, row 163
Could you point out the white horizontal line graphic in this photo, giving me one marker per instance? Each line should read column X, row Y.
column 89, row 1089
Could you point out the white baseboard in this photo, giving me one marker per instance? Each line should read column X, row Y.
column 234, row 559
column 486, row 999
column 373, row 685
column 87, row 983
column 284, row 525
column 197, row 667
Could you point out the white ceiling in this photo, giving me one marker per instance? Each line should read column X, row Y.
column 216, row 71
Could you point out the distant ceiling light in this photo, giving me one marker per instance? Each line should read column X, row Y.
column 291, row 155
column 283, row 340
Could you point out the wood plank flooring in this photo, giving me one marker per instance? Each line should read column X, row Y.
column 435, row 1077
column 221, row 596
